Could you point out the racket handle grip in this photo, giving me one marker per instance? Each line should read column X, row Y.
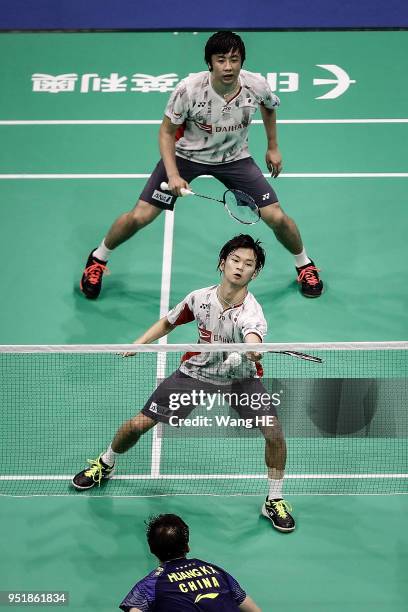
column 184, row 192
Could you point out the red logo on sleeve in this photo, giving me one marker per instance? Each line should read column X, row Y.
column 205, row 335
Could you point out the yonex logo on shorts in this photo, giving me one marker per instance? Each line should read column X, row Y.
column 153, row 407
column 162, row 197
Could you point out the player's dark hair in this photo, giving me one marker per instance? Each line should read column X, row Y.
column 223, row 42
column 243, row 241
column 167, row 535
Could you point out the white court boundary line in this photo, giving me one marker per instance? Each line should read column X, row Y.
column 162, row 356
column 84, row 495
column 23, row 122
column 212, row 477
column 288, row 175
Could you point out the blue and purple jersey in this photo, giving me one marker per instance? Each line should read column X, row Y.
column 182, row 585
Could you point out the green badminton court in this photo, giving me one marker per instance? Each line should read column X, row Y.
column 79, row 118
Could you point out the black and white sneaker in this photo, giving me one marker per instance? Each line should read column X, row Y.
column 309, row 280
column 277, row 511
column 91, row 281
column 93, row 475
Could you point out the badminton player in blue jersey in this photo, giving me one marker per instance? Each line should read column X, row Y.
column 181, row 584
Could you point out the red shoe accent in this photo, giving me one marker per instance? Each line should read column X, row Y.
column 94, row 272
column 308, row 275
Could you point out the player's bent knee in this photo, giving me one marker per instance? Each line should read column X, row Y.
column 141, row 423
column 273, row 215
column 143, row 214
column 273, row 434
column 276, row 438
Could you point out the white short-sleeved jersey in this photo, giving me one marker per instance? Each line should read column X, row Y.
column 217, row 325
column 216, row 131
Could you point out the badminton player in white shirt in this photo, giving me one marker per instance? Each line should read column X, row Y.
column 224, row 313
column 205, row 132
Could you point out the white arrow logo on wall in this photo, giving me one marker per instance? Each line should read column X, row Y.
column 342, row 81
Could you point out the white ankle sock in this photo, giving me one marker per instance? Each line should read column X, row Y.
column 302, row 259
column 275, row 488
column 109, row 456
column 102, row 252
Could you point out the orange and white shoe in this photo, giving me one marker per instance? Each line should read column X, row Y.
column 308, row 278
column 91, row 281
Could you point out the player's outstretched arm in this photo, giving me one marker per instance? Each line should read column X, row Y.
column 248, row 605
column 252, row 355
column 159, row 329
column 167, row 136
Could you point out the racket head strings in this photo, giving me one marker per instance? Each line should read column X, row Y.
column 241, row 206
